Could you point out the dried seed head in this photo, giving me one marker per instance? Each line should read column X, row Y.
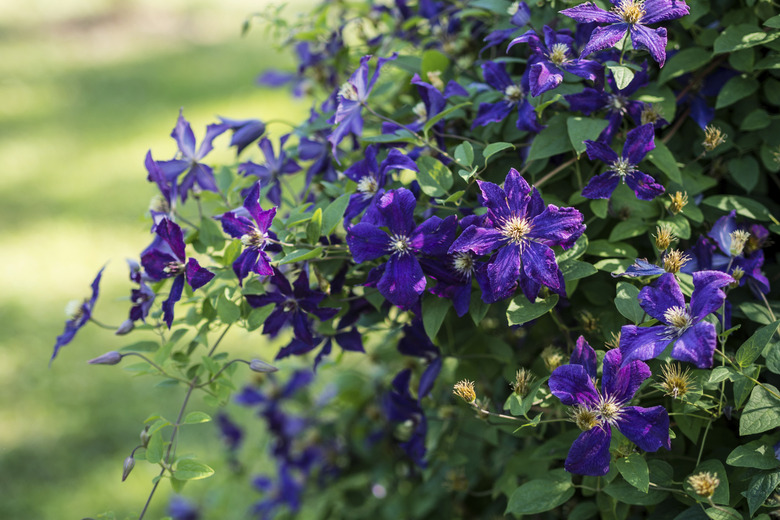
column 589, row 322
column 738, row 240
column 434, row 78
column 614, row 341
column 737, row 273
column 465, row 390
column 663, row 237
column 523, row 380
column 679, row 200
column 674, row 259
column 552, row 357
column 675, row 381
column 713, row 138
column 651, row 114
column 585, row 418
column 704, row 484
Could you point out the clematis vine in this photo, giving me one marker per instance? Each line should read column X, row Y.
column 522, row 230
column 254, row 237
column 597, row 412
column 401, row 280
column 632, row 17
column 639, row 142
column 693, row 339
column 165, row 258
column 79, row 313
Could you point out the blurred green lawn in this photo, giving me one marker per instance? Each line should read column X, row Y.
column 87, row 87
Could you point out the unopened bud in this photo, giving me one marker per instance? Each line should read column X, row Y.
column 465, row 390
column 109, row 358
column 679, row 200
column 552, row 357
column 663, row 237
column 125, row 327
column 713, row 138
column 704, row 484
column 738, row 240
column 261, row 366
column 127, row 467
column 737, row 274
column 145, row 436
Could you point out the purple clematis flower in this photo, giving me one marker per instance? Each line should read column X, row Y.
column 630, row 16
column 293, row 304
column 523, row 231
column 272, row 169
column 693, row 339
column 639, row 141
column 552, row 57
column 254, row 237
column 79, row 313
column 197, row 172
column 597, row 412
column 401, row 407
column 402, row 280
column 166, row 259
column 245, row 131
column 352, row 95
column 141, row 298
column 514, row 98
column 750, row 260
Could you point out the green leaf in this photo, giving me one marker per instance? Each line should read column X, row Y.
column 188, row 469
column 584, row 128
column 632, row 227
column 524, row 403
column 574, row 270
column 625, row 492
column 314, row 227
column 773, row 22
column 522, row 311
column 623, row 75
column 761, row 413
column 712, row 466
column 574, row 252
column 738, row 87
column 548, row 142
column 744, row 206
column 752, row 348
column 403, row 136
column 744, row 171
column 678, row 225
column 494, row 148
column 258, row 316
column 227, row 311
column 432, row 61
column 154, row 449
column 742, row 36
column 627, row 302
column 477, row 308
column 772, row 355
column 600, row 207
column 334, row 213
column 665, row 161
column 722, row 513
column 754, row 454
column 755, row 120
column 759, row 489
column 634, row 469
column 441, row 115
column 434, row 311
column 540, row 495
column 464, row 154
column 434, row 178
column 686, row 60
column 454, row 197
column 210, row 234
column 606, row 249
column 196, row 418
column 300, row 255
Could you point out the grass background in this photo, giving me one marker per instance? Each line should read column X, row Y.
column 88, row 86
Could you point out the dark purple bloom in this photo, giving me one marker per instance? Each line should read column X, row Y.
column 141, row 298
column 166, row 259
column 639, row 142
column 230, row 432
column 597, row 412
column 294, row 305
column 79, row 313
column 701, row 110
column 641, row 267
column 514, row 98
column 190, row 162
column 272, row 169
column 453, row 274
column 630, row 16
column 245, row 131
column 552, row 57
column 352, row 95
column 750, row 260
column 693, row 339
column 181, row 509
column 402, row 281
column 254, row 237
column 163, row 206
column 401, row 407
column 522, row 230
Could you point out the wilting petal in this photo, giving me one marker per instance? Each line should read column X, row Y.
column 589, row 453
column 403, row 281
column 572, row 385
column 697, row 345
column 653, row 40
column 428, row 378
column 367, row 242
column 197, row 276
column 642, row 342
column 648, row 428
column 584, row 355
column 707, row 294
column 641, row 267
column 662, row 295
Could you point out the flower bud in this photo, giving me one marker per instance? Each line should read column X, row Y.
column 125, row 327
column 109, row 358
column 261, row 366
column 465, row 390
column 127, row 467
column 737, row 274
column 704, row 484
column 145, row 436
column 552, row 357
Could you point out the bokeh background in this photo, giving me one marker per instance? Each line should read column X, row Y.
column 86, row 88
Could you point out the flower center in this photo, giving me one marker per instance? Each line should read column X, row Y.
column 289, row 305
column 74, row 310
column 585, row 418
column 420, row 111
column 513, row 94
column 609, row 410
column 173, row 268
column 255, row 240
column 399, row 244
column 622, row 167
column 515, row 229
column 348, row 91
column 678, row 319
column 463, row 263
column 558, row 53
column 631, row 11
column 617, row 102
column 512, row 9
column 367, row 185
